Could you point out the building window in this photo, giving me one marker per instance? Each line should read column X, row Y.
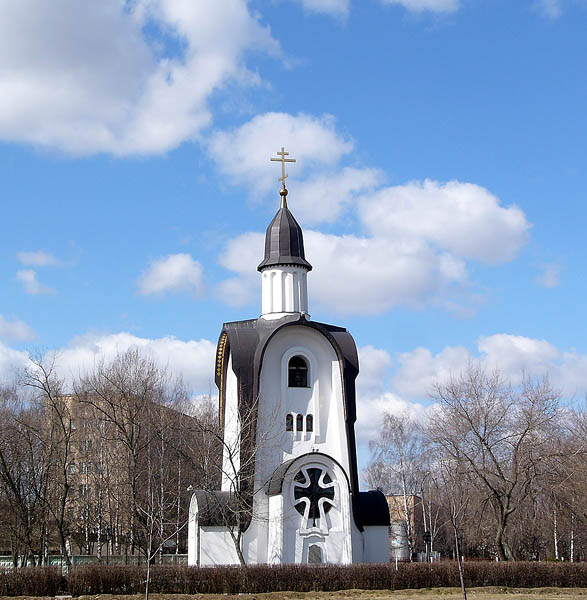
column 314, row 554
column 289, row 422
column 299, row 423
column 297, row 372
column 309, row 423
column 313, row 493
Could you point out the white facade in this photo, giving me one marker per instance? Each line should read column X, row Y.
column 289, row 533
column 299, row 377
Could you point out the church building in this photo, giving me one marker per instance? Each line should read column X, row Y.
column 287, row 409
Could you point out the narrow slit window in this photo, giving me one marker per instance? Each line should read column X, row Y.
column 297, row 372
column 299, row 423
column 289, row 422
column 309, row 423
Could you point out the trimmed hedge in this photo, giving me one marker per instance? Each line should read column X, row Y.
column 168, row 579
column 31, row 581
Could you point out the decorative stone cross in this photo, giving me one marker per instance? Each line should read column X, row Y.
column 283, row 160
column 308, row 486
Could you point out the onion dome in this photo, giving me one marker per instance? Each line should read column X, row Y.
column 284, row 241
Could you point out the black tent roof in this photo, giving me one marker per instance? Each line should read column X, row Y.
column 284, row 241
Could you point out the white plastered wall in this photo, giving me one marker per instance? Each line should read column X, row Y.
column 376, row 544
column 284, row 290
column 323, row 398
column 193, row 533
column 208, row 545
column 231, row 450
column 217, row 547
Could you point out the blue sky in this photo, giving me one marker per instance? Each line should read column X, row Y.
column 440, row 181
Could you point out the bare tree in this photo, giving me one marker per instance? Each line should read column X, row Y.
column 451, row 474
column 504, row 435
column 122, row 395
column 56, row 435
column 23, row 477
column 397, row 466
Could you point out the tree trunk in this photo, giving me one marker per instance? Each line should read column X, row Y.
column 499, row 545
column 555, row 533
column 148, row 578
column 460, row 563
column 572, row 540
column 236, row 538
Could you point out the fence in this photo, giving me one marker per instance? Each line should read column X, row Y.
column 53, row 560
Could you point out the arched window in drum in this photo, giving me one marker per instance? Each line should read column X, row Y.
column 289, row 422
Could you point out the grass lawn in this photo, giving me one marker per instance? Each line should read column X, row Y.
column 486, row 593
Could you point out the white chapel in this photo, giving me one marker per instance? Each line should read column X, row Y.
column 287, row 409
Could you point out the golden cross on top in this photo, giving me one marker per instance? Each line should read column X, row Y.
column 283, row 160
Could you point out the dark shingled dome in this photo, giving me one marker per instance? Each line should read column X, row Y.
column 284, row 242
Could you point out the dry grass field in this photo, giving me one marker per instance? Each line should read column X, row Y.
column 486, row 593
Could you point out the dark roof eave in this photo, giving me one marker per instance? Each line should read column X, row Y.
column 285, row 261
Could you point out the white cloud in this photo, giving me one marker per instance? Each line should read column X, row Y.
column 192, row 359
column 374, row 366
column 550, row 8
column 336, row 8
column 419, row 369
column 241, row 255
column 549, row 277
column 30, row 284
column 371, row 411
column 356, row 275
column 372, row 275
column 72, row 67
column 173, row 273
column 513, row 355
column 440, row 6
column 38, row 259
column 405, row 382
column 324, row 197
column 16, row 330
column 417, row 238
column 373, row 399
column 243, row 153
column 463, row 218
column 11, row 362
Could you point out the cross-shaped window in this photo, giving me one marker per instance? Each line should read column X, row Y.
column 310, row 486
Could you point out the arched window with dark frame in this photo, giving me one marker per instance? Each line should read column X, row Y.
column 309, row 423
column 297, row 372
column 289, row 422
column 299, row 423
